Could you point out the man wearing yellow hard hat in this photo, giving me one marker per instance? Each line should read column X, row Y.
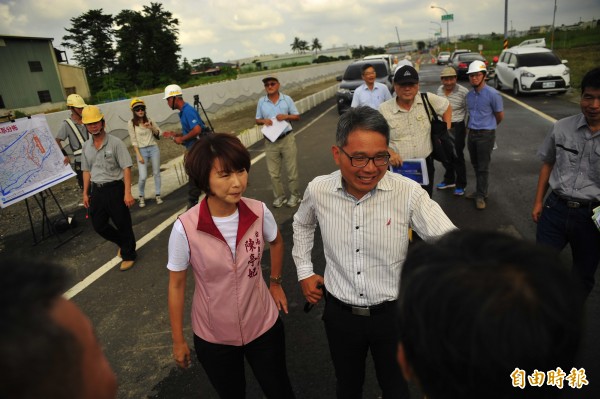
column 106, row 166
column 73, row 129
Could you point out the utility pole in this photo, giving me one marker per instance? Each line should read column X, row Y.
column 398, row 36
column 553, row 21
column 505, row 46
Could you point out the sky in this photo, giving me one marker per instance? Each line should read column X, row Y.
column 227, row 30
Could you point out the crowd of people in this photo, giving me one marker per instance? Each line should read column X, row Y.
column 454, row 314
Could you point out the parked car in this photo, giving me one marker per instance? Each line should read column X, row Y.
column 352, row 78
column 457, row 52
column 443, row 57
column 387, row 57
column 461, row 63
column 532, row 70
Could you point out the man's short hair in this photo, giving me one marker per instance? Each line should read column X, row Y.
column 365, row 67
column 474, row 306
column 591, row 79
column 38, row 357
column 365, row 118
column 232, row 154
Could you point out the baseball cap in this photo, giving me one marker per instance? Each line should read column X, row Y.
column 406, row 74
column 270, row 77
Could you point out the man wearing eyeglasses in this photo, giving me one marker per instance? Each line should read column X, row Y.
column 363, row 212
column 281, row 153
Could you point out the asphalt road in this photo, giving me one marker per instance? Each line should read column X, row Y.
column 129, row 309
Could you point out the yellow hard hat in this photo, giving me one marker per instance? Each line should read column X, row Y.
column 91, row 114
column 135, row 102
column 172, row 91
column 75, row 100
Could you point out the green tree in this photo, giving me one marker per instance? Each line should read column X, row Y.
column 201, row 64
column 296, row 45
column 91, row 40
column 303, row 46
column 316, row 45
column 421, row 45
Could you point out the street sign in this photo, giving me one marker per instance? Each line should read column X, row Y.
column 448, row 17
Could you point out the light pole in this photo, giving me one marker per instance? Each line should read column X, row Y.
column 447, row 24
column 438, row 24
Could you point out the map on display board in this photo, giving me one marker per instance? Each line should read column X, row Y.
column 30, row 159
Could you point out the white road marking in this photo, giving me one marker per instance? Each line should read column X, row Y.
column 522, row 104
column 89, row 280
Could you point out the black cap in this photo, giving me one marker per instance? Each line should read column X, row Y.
column 406, row 74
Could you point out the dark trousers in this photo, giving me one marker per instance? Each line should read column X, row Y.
column 480, row 145
column 79, row 174
column 224, row 365
column 194, row 191
column 559, row 225
column 456, row 171
column 350, row 338
column 107, row 204
column 430, row 174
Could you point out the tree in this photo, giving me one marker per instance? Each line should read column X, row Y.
column 201, row 64
column 91, row 40
column 421, row 45
column 316, row 45
column 296, row 45
column 303, row 46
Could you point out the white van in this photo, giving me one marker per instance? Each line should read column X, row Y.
column 388, row 57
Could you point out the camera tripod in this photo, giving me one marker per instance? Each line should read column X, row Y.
column 198, row 106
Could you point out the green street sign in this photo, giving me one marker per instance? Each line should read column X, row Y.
column 448, row 17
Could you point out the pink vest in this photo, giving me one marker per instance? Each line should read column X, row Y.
column 232, row 304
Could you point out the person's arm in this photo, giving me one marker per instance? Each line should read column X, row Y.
column 196, row 131
column 134, row 142
column 288, row 117
column 447, row 116
column 181, row 351
column 66, row 160
column 542, row 188
column 86, row 188
column 499, row 116
column 427, row 217
column 276, row 290
column 129, row 201
column 293, row 114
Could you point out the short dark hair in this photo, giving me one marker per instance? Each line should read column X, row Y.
column 591, row 79
column 365, row 67
column 226, row 147
column 474, row 306
column 38, row 357
column 365, row 118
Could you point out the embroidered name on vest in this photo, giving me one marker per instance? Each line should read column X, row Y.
column 253, row 246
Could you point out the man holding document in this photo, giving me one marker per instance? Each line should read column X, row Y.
column 274, row 112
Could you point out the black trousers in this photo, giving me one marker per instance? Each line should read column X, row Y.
column 430, row 174
column 79, row 174
column 350, row 338
column 224, row 365
column 107, row 205
column 456, row 170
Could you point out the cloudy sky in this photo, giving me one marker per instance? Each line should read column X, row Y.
column 232, row 29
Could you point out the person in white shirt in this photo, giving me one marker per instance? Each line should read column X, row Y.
column 364, row 213
column 370, row 93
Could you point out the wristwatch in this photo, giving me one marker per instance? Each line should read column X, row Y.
column 276, row 280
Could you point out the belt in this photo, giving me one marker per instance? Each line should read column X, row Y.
column 283, row 135
column 360, row 310
column 482, row 130
column 107, row 184
column 571, row 203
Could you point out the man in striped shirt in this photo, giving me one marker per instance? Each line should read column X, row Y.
column 364, row 213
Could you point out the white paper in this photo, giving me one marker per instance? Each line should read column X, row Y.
column 274, row 131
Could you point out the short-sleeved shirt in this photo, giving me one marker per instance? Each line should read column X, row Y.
column 458, row 101
column 575, row 153
column 189, row 120
column 65, row 131
column 284, row 105
column 372, row 98
column 410, row 130
column 105, row 164
column 483, row 106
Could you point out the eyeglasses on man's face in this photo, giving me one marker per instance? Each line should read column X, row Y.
column 270, row 84
column 138, row 109
column 360, row 161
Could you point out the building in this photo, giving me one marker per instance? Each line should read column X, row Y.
column 31, row 78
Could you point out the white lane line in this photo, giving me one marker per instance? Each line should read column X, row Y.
column 522, row 104
column 86, row 282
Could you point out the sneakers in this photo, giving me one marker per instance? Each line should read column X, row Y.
column 444, row 185
column 480, row 203
column 279, row 202
column 293, row 201
column 459, row 191
column 126, row 265
column 142, row 202
column 159, row 200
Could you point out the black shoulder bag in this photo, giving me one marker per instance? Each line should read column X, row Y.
column 443, row 146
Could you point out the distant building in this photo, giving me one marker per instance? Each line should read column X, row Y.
column 31, row 78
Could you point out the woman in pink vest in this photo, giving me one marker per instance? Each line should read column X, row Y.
column 234, row 314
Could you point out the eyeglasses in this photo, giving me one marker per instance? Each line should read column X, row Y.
column 270, row 84
column 138, row 109
column 360, row 161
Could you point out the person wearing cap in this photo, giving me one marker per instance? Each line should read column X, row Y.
column 456, row 171
column 72, row 129
column 281, row 153
column 106, row 166
column 410, row 129
column 192, row 127
column 143, row 133
column 486, row 111
column 371, row 93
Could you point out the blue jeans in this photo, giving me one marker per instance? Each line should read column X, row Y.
column 560, row 225
column 150, row 153
column 480, row 145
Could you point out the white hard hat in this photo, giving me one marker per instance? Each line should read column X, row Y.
column 477, row 66
column 172, row 91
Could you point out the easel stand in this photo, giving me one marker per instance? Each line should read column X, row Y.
column 47, row 228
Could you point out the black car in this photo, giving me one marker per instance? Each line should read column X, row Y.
column 352, row 78
column 461, row 63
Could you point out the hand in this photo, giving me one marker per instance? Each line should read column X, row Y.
column 141, row 160
column 86, row 200
column 181, row 354
column 268, row 122
column 129, row 201
column 66, row 160
column 395, row 159
column 178, row 140
column 310, row 290
column 281, row 117
column 147, row 125
column 537, row 211
column 279, row 297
